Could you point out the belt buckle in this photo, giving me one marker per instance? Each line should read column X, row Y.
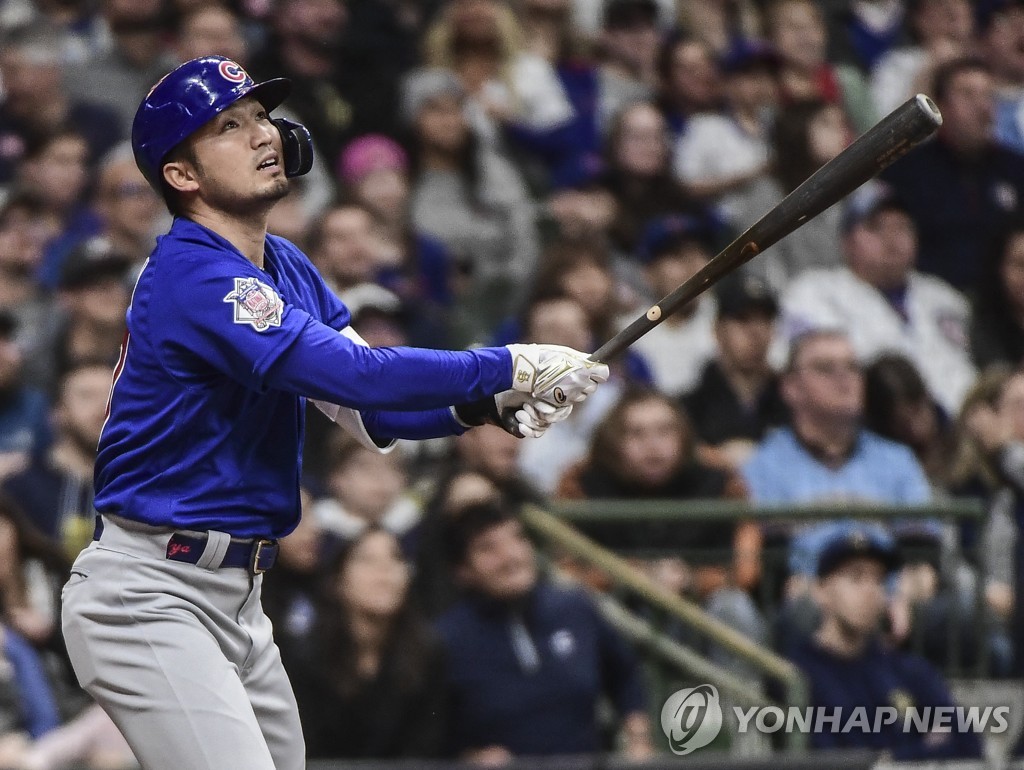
column 258, row 554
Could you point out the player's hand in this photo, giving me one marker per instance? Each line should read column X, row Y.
column 555, row 374
column 518, row 413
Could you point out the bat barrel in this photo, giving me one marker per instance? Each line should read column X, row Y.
column 884, row 143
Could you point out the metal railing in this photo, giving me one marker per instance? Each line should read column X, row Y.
column 575, row 527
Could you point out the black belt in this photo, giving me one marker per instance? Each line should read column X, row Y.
column 257, row 555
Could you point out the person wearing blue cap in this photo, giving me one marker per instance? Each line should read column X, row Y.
column 230, row 330
column 848, row 666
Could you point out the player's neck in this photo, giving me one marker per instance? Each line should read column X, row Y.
column 247, row 233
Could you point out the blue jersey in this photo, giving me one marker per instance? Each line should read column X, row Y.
column 206, row 413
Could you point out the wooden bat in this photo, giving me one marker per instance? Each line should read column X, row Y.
column 885, row 142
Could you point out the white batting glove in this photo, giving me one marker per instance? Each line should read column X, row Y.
column 533, row 417
column 555, row 374
column 518, row 413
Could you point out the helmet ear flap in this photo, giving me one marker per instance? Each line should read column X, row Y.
column 298, row 146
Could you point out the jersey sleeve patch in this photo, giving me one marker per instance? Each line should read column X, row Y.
column 255, row 304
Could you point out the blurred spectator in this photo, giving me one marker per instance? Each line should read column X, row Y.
column 645, row 449
column 962, row 188
column 797, row 30
column 572, row 152
column 24, row 429
column 55, row 168
column 528, row 660
column 56, row 489
column 580, row 268
column 35, row 101
column 861, row 33
column 90, row 740
column 989, row 463
column 23, row 235
column 291, row 596
column 689, row 81
column 806, row 135
column 383, row 40
column 561, row 319
column 367, row 489
column 28, row 706
column 737, row 398
column 138, row 57
column 639, row 174
column 882, row 303
column 84, row 34
column 897, row 406
column 943, row 30
column 849, row 668
column 342, row 247
column 469, row 198
column 825, row 453
column 673, row 249
column 720, row 22
column 210, row 28
column 997, row 308
column 305, row 45
column 416, row 266
column 373, row 684
column 1002, row 43
column 505, row 84
column 629, row 48
column 378, row 315
column 94, row 297
column 589, row 15
column 721, row 154
column 33, row 571
column 131, row 212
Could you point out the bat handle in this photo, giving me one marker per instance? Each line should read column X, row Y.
column 510, row 423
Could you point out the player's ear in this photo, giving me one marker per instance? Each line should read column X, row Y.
column 181, row 175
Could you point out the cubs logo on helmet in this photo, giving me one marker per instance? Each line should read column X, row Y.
column 232, row 72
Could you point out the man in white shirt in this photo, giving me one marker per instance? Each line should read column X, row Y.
column 882, row 303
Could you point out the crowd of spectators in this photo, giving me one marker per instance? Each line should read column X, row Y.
column 492, row 171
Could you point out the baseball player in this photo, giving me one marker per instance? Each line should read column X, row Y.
column 229, row 331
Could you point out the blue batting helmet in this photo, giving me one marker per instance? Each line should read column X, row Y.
column 192, row 94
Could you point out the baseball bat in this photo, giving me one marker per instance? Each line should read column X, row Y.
column 881, row 145
column 885, row 142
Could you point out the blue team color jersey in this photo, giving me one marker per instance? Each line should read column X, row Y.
column 206, row 413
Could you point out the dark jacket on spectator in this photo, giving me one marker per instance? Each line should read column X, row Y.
column 529, row 677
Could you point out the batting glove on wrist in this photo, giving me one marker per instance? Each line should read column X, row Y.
column 519, row 414
column 555, row 374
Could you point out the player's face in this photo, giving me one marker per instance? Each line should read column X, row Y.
column 239, row 159
column 855, row 595
column 375, row 578
column 500, row 562
column 651, row 445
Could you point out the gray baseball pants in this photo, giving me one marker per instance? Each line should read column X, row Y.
column 180, row 655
